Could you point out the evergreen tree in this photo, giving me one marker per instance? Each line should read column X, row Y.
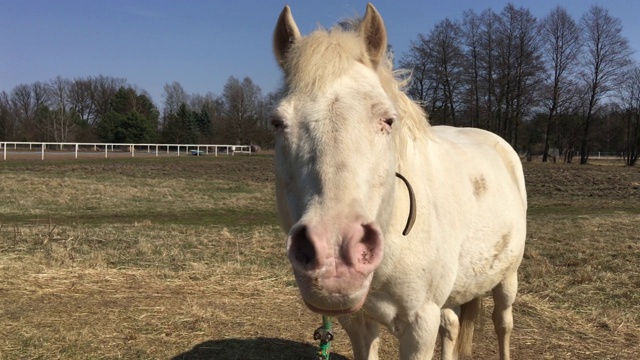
column 181, row 127
column 132, row 119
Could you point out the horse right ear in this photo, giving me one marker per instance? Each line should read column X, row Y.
column 285, row 35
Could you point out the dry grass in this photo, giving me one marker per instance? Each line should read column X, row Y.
column 146, row 291
column 182, row 259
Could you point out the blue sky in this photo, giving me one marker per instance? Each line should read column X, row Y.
column 201, row 43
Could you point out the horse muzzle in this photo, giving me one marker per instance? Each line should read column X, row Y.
column 334, row 269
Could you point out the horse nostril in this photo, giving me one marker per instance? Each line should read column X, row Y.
column 301, row 248
column 368, row 250
column 371, row 245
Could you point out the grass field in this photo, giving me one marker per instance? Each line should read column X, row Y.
column 182, row 258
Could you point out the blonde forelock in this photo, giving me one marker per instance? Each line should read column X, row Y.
column 316, row 60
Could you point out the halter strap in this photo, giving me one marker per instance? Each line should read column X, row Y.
column 412, row 206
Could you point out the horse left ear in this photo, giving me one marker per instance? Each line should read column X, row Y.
column 374, row 33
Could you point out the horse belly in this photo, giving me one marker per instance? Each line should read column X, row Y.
column 481, row 271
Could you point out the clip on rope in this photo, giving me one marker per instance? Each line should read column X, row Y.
column 325, row 335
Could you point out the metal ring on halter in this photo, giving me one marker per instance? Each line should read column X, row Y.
column 412, row 206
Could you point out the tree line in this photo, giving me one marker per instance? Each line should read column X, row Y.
column 542, row 84
column 554, row 86
column 109, row 109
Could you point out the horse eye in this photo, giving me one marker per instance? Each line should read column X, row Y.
column 277, row 123
column 389, row 121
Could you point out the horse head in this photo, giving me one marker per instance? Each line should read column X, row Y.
column 335, row 158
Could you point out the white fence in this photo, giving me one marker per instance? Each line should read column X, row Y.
column 104, row 149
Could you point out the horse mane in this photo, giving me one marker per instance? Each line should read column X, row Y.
column 326, row 54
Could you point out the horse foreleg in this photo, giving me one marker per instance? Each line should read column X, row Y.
column 449, row 328
column 418, row 336
column 504, row 294
column 363, row 333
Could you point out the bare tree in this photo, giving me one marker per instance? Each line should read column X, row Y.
column 487, row 55
column 81, row 100
column 488, row 67
column 519, row 66
column 23, row 102
column 244, row 109
column 52, row 110
column 24, row 108
column 629, row 94
column 436, row 62
column 471, row 37
column 6, row 118
column 38, row 127
column 40, row 92
column 416, row 60
column 174, row 97
column 561, row 44
column 104, row 88
column 606, row 57
column 570, row 118
column 62, row 120
column 446, row 61
column 197, row 101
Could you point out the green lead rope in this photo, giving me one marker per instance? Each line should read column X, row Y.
column 325, row 335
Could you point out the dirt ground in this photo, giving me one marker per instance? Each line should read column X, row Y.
column 164, row 285
column 605, row 179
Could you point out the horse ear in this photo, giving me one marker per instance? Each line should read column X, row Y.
column 374, row 33
column 285, row 35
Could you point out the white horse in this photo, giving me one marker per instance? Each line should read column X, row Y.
column 343, row 131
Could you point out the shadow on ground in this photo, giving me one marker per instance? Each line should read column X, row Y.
column 249, row 349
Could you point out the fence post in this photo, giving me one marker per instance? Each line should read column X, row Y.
column 76, row 151
column 5, row 150
column 43, row 146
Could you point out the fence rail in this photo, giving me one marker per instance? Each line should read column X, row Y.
column 106, row 148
